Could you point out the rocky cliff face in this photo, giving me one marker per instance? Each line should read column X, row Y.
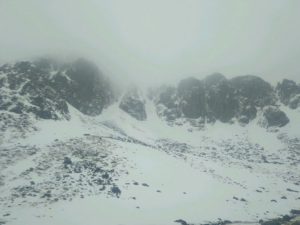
column 133, row 104
column 274, row 117
column 217, row 98
column 289, row 93
column 44, row 88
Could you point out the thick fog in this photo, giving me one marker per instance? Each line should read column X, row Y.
column 159, row 40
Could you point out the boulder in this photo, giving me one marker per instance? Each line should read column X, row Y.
column 274, row 117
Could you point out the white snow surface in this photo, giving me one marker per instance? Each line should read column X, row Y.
column 222, row 171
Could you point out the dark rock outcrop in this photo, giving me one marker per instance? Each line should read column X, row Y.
column 216, row 98
column 221, row 102
column 191, row 93
column 134, row 104
column 167, row 104
column 275, row 117
column 251, row 93
column 182, row 222
column 44, row 87
column 89, row 91
column 289, row 93
column 253, row 90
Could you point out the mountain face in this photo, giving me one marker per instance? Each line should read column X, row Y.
column 133, row 104
column 289, row 93
column 217, row 98
column 44, row 88
column 74, row 152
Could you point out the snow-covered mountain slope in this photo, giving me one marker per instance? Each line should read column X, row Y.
column 42, row 89
column 81, row 157
column 114, row 169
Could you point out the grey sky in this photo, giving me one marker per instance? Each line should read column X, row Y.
column 159, row 40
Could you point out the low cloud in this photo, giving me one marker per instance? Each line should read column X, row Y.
column 159, row 41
